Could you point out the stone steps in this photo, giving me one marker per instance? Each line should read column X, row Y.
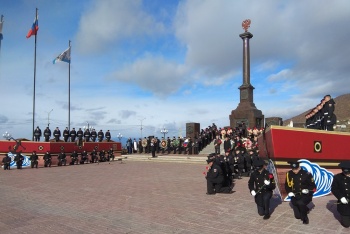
column 198, row 159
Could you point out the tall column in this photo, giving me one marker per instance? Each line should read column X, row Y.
column 246, row 57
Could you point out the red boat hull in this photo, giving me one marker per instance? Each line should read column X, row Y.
column 282, row 144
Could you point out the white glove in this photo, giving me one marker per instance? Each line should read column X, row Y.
column 267, row 182
column 253, row 193
column 291, row 194
column 343, row 200
column 305, row 191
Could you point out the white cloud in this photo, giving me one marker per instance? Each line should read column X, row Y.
column 108, row 22
column 154, row 74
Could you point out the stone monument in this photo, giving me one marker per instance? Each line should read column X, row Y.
column 192, row 130
column 246, row 112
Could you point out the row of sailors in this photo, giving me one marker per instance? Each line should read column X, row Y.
column 72, row 135
column 95, row 157
column 322, row 117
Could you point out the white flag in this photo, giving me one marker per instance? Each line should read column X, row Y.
column 64, row 57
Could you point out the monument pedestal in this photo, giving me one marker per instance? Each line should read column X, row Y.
column 246, row 111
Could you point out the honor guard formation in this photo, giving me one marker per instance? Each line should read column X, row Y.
column 72, row 135
column 322, row 117
column 68, row 136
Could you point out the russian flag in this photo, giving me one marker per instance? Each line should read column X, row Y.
column 185, row 143
column 34, row 29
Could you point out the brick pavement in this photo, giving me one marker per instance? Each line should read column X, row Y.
column 141, row 197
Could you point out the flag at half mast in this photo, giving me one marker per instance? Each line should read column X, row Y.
column 64, row 57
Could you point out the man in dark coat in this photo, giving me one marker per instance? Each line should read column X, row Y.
column 217, row 143
column 84, row 157
column 215, row 179
column 110, row 154
column 80, row 135
column 300, row 186
column 100, row 136
column 34, row 160
column 328, row 113
column 6, row 161
column 108, row 135
column 341, row 190
column 261, row 184
column 47, row 134
column 61, row 159
column 73, row 135
column 94, row 158
column 93, row 135
column 102, row 155
column 74, row 158
column 47, row 159
column 57, row 134
column 87, row 135
column 238, row 160
column 37, row 133
column 66, row 134
column 19, row 160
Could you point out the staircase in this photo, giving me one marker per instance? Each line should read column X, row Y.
column 178, row 158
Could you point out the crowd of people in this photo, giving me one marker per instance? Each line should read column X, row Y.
column 72, row 135
column 322, row 116
column 188, row 145
column 62, row 160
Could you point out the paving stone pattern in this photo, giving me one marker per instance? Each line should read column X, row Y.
column 141, row 197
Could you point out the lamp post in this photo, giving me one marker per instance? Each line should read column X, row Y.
column 164, row 131
column 141, row 126
column 48, row 117
column 7, row 136
column 120, row 136
column 88, row 127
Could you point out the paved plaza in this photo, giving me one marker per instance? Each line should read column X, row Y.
column 141, row 197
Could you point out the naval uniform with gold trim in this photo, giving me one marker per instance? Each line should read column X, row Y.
column 296, row 183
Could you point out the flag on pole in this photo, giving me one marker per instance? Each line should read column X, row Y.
column 34, row 29
column 64, row 57
column 1, row 23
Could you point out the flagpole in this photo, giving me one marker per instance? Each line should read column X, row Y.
column 36, row 17
column 69, row 88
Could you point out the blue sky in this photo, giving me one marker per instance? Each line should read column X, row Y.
column 167, row 62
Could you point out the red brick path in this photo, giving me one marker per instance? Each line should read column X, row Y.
column 140, row 197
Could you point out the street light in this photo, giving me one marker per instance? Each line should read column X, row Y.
column 7, row 136
column 88, row 127
column 141, row 126
column 120, row 136
column 164, row 131
column 48, row 118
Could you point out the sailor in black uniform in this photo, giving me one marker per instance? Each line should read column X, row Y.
column 341, row 190
column 300, row 186
column 261, row 184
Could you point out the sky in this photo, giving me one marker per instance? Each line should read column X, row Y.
column 162, row 64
